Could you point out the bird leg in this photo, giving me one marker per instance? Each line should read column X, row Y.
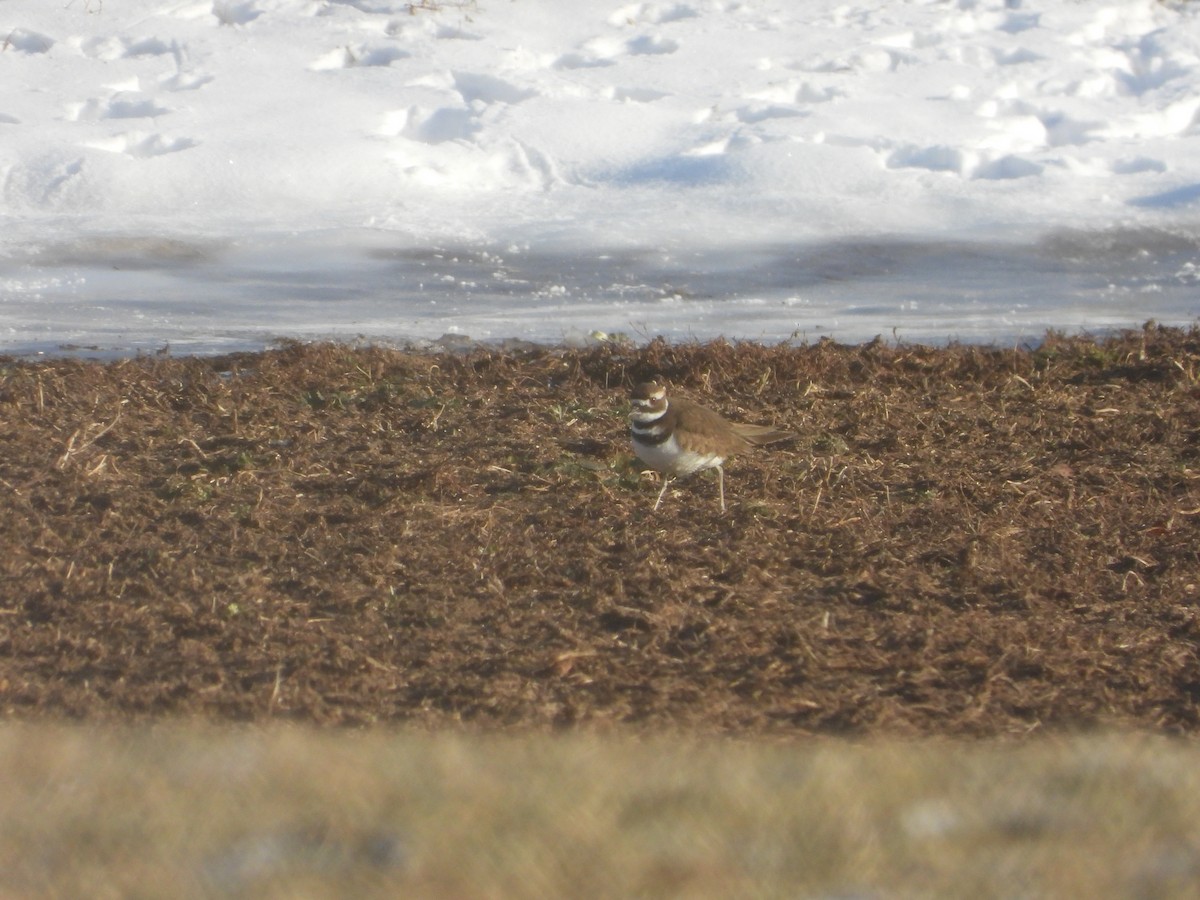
column 666, row 484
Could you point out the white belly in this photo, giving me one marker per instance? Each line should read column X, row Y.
column 667, row 457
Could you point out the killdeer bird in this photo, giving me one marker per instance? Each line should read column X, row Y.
column 677, row 438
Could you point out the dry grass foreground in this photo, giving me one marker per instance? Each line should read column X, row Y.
column 283, row 812
column 965, row 541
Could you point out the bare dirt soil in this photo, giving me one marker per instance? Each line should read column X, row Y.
column 962, row 541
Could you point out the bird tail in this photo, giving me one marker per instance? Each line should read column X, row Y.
column 763, row 434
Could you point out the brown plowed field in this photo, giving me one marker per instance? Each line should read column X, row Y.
column 963, row 540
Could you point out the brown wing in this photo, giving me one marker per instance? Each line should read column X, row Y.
column 712, row 432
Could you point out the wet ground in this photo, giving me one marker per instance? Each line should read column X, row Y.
column 115, row 296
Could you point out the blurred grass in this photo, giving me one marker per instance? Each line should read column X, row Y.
column 291, row 812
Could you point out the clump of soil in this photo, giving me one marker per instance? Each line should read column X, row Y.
column 962, row 541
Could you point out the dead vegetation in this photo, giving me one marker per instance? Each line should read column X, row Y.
column 284, row 812
column 964, row 541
